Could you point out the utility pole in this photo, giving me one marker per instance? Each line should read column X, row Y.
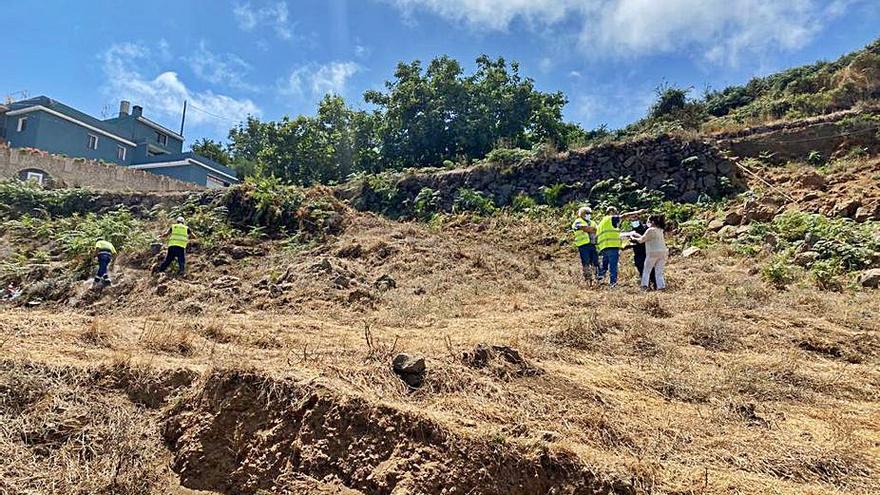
column 183, row 119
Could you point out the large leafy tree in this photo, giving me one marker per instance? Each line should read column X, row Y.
column 440, row 113
column 423, row 117
column 324, row 148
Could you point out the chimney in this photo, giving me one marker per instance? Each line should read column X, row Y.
column 124, row 107
column 137, row 111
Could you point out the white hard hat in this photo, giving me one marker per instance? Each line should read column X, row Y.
column 583, row 210
column 179, row 220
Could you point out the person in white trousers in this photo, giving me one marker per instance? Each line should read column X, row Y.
column 655, row 251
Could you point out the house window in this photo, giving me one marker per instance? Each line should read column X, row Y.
column 35, row 176
column 93, row 142
column 22, row 124
column 215, row 183
column 120, row 153
column 161, row 139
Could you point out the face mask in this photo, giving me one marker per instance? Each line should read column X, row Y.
column 635, row 224
column 587, row 216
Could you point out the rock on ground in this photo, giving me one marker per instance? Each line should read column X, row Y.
column 691, row 251
column 870, row 278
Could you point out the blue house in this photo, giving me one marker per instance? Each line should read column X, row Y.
column 129, row 140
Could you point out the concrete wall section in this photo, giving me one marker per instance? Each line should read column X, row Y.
column 78, row 172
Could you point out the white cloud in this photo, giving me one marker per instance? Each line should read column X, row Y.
column 164, row 94
column 220, row 68
column 494, row 14
column 545, row 64
column 722, row 31
column 361, row 51
column 319, row 80
column 272, row 14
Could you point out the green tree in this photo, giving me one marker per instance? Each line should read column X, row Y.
column 213, row 150
column 439, row 113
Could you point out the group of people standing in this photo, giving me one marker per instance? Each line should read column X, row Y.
column 600, row 242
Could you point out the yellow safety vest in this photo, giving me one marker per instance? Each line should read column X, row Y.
column 607, row 235
column 179, row 235
column 580, row 237
column 105, row 246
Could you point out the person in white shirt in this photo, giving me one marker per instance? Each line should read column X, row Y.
column 655, row 250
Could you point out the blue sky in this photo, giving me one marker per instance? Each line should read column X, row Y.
column 231, row 58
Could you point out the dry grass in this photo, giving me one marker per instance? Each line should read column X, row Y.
column 719, row 385
column 60, row 434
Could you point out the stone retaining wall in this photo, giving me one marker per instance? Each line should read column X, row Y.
column 829, row 135
column 79, row 172
column 684, row 169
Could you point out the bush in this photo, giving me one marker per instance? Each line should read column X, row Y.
column 426, row 203
column 669, row 100
column 77, row 235
column 264, row 202
column 816, row 159
column 523, row 203
column 17, row 198
column 552, row 195
column 694, row 233
column 778, row 272
column 209, row 223
column 468, row 200
column 279, row 209
column 842, row 245
column 508, row 156
column 624, row 193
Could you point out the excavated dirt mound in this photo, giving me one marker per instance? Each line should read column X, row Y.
column 241, row 432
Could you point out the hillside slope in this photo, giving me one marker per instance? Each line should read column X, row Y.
column 269, row 366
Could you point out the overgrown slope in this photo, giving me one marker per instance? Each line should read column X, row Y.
column 268, row 368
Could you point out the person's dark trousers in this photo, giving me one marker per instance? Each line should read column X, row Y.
column 104, row 260
column 589, row 260
column 610, row 260
column 174, row 253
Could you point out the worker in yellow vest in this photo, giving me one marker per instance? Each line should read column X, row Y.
column 609, row 242
column 585, row 240
column 178, row 237
column 104, row 253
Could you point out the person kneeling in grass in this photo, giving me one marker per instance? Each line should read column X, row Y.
column 655, row 251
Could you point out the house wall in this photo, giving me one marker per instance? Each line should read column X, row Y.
column 188, row 173
column 141, row 133
column 78, row 172
column 56, row 135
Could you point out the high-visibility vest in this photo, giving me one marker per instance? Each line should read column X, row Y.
column 179, row 235
column 607, row 235
column 580, row 237
column 105, row 246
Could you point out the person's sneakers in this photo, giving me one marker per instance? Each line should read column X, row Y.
column 106, row 280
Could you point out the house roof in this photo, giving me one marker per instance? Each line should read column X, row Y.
column 109, row 126
column 185, row 159
column 56, row 105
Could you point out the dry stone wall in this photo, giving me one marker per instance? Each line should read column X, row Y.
column 684, row 169
column 79, row 172
column 829, row 135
